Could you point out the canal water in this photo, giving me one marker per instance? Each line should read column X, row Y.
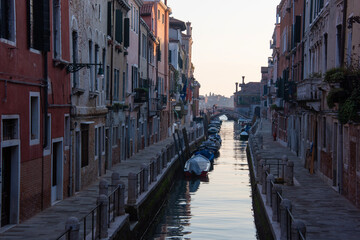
column 218, row 207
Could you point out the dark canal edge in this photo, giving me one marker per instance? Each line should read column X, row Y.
column 260, row 217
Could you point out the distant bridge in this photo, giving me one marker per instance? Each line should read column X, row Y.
column 230, row 113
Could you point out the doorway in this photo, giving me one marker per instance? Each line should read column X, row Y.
column 10, row 161
column 57, row 172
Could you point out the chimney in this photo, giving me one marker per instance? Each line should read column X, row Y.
column 236, row 86
column 188, row 29
column 165, row 2
column 243, row 77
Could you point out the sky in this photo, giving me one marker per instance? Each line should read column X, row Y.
column 231, row 39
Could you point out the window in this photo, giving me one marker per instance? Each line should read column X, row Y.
column 119, row 23
column 34, row 118
column 134, row 77
column 57, row 29
column 338, row 46
column 75, row 75
column 91, row 67
column 84, row 145
column 109, row 11
column 325, row 51
column 10, row 128
column 116, row 85
column 38, row 25
column 108, row 83
column 124, row 86
column 103, row 67
column 163, row 18
column 137, row 21
column 132, row 17
column 48, row 135
column 67, row 131
column 7, row 19
column 96, row 67
column 96, row 144
column 158, row 14
column 114, row 136
column 102, row 135
column 144, row 46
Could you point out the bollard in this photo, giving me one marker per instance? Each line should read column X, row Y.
column 277, row 189
column 102, row 217
column 73, row 225
column 298, row 227
column 153, row 170
column 284, row 162
column 115, row 179
column 121, row 198
column 132, row 188
column 285, row 220
column 146, row 176
column 289, row 173
column 260, row 170
column 168, row 153
column 103, row 187
column 163, row 157
column 269, row 180
column 158, row 162
column 263, row 179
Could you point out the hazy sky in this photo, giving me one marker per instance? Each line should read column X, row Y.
column 231, row 39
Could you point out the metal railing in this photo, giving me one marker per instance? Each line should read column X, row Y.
column 113, row 204
column 140, row 176
column 94, row 220
column 289, row 217
column 65, row 235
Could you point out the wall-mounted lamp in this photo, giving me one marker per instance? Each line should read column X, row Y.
column 352, row 20
column 74, row 67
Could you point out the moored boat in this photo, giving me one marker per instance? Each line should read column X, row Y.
column 244, row 136
column 197, row 165
column 206, row 153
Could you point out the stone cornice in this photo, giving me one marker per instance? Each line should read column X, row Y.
column 124, row 5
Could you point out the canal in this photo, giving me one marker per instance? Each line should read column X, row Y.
column 219, row 207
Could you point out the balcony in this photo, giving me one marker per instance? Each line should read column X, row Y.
column 141, row 95
column 307, row 90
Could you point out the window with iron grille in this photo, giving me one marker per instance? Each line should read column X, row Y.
column 10, row 129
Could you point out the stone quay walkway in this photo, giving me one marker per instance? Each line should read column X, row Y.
column 50, row 223
column 326, row 214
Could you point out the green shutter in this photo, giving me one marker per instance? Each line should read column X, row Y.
column 126, row 32
column 118, row 31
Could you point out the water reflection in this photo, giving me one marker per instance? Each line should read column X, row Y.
column 218, row 207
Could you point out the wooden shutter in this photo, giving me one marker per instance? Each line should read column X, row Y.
column 118, row 31
column 126, row 32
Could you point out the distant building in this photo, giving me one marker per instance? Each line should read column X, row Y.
column 247, row 98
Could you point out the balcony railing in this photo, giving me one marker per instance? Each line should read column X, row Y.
column 141, row 95
column 307, row 90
